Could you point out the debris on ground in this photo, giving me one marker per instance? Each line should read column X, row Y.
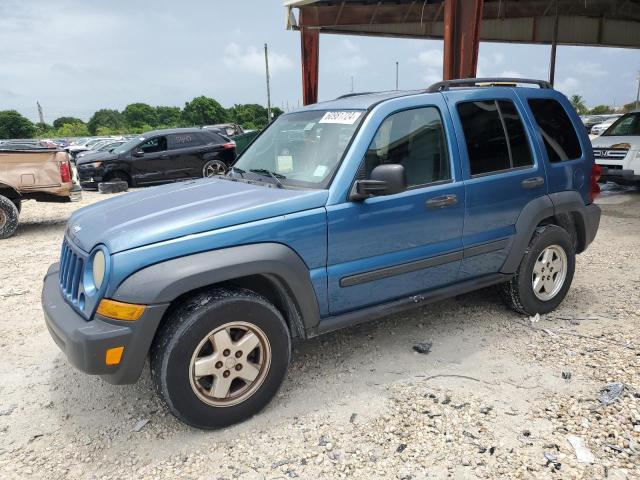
column 423, row 347
column 583, row 454
column 566, row 375
column 535, row 318
column 139, row 425
column 611, row 392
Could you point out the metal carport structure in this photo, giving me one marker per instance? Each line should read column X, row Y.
column 462, row 24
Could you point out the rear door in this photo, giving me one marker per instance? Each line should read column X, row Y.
column 186, row 149
column 501, row 171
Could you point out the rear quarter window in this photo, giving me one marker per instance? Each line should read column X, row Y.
column 185, row 140
column 559, row 136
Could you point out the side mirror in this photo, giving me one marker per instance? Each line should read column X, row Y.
column 138, row 153
column 387, row 179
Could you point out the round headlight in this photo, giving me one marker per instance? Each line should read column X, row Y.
column 98, row 268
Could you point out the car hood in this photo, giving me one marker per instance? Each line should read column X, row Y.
column 626, row 141
column 95, row 157
column 171, row 211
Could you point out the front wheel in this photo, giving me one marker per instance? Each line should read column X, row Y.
column 220, row 357
column 213, row 168
column 8, row 217
column 545, row 272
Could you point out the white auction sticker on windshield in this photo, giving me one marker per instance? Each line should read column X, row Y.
column 345, row 118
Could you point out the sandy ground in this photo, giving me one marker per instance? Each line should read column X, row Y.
column 488, row 401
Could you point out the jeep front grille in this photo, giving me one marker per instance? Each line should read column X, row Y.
column 71, row 268
column 610, row 153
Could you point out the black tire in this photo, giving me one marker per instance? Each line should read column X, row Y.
column 213, row 168
column 18, row 204
column 8, row 217
column 115, row 186
column 519, row 293
column 118, row 176
column 181, row 335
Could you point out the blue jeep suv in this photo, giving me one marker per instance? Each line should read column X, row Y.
column 339, row 213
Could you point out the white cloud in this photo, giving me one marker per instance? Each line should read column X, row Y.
column 568, row 86
column 511, row 74
column 430, row 63
column 353, row 60
column 251, row 59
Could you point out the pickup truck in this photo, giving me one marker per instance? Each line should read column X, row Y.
column 337, row 214
column 44, row 175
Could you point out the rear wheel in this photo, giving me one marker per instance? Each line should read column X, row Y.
column 213, row 168
column 220, row 357
column 9, row 214
column 545, row 272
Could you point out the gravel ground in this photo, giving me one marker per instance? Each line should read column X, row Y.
column 496, row 397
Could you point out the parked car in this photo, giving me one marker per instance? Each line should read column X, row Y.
column 85, row 145
column 617, row 150
column 339, row 213
column 39, row 174
column 160, row 156
column 102, row 147
column 599, row 128
column 229, row 130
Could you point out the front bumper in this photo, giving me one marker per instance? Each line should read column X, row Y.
column 85, row 342
column 609, row 173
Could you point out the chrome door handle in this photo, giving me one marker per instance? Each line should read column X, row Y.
column 443, row 201
column 533, row 182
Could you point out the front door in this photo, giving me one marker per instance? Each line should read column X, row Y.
column 151, row 160
column 501, row 174
column 387, row 247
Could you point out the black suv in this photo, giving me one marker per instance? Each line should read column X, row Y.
column 160, row 156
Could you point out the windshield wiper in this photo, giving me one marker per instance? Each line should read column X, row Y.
column 274, row 175
column 236, row 169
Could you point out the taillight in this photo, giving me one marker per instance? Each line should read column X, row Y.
column 596, row 172
column 65, row 172
column 229, row 145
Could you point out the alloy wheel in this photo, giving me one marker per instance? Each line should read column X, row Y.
column 549, row 272
column 230, row 364
column 214, row 168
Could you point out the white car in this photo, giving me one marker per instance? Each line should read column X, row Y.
column 601, row 127
column 617, row 150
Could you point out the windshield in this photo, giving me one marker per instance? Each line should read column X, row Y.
column 301, row 149
column 625, row 126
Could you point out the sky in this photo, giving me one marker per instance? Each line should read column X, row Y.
column 77, row 56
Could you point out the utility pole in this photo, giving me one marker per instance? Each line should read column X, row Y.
column 638, row 93
column 40, row 114
column 351, row 83
column 396, row 75
column 266, row 63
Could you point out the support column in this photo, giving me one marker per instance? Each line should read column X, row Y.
column 461, row 38
column 310, row 42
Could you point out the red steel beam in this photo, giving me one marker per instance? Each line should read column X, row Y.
column 310, row 42
column 461, row 38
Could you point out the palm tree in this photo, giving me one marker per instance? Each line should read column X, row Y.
column 578, row 103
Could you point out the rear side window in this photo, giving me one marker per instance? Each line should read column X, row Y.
column 560, row 139
column 414, row 139
column 495, row 136
column 185, row 140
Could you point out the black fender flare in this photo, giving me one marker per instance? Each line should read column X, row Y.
column 166, row 281
column 586, row 218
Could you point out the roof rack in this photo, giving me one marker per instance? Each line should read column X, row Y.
column 490, row 81
column 353, row 94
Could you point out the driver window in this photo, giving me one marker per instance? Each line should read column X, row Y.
column 157, row 144
column 414, row 139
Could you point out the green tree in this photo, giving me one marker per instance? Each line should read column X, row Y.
column 73, row 129
column 578, row 103
column 630, row 107
column 168, row 116
column 59, row 122
column 203, row 111
column 111, row 119
column 138, row 114
column 601, row 110
column 43, row 129
column 14, row 125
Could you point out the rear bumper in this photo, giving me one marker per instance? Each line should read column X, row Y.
column 591, row 223
column 85, row 342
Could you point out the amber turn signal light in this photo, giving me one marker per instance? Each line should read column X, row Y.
column 120, row 310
